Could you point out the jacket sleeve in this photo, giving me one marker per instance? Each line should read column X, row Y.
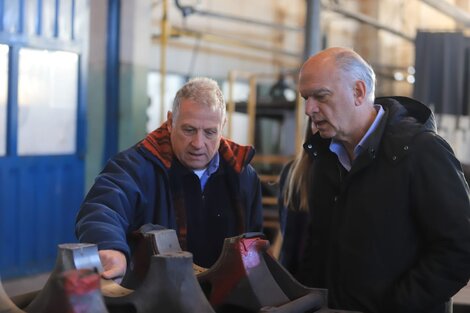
column 115, row 203
column 441, row 209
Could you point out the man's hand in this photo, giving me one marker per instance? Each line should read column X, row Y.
column 114, row 264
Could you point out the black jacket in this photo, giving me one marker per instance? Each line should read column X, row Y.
column 393, row 234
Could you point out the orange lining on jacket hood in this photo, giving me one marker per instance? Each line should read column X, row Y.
column 158, row 143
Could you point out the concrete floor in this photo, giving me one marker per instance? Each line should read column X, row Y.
column 463, row 296
column 24, row 285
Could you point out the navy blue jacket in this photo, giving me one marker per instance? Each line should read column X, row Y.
column 134, row 189
column 393, row 233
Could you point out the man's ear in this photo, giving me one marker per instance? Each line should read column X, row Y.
column 360, row 90
column 169, row 119
column 224, row 122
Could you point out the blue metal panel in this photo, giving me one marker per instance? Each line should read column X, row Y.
column 81, row 109
column 12, row 109
column 39, row 195
column 112, row 80
column 2, row 5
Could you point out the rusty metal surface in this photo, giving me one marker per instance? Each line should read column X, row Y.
column 72, row 291
column 246, row 278
column 76, row 268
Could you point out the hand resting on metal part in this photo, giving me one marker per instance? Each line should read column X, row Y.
column 114, row 264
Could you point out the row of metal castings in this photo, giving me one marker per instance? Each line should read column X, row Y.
column 163, row 278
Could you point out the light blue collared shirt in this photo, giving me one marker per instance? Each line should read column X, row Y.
column 208, row 171
column 337, row 147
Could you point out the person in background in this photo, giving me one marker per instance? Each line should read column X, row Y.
column 294, row 208
column 183, row 175
column 390, row 211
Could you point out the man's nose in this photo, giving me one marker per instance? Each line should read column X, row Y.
column 198, row 140
column 311, row 106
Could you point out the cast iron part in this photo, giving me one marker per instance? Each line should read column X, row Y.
column 169, row 286
column 148, row 240
column 73, row 256
column 246, row 278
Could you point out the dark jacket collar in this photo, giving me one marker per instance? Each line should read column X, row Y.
column 403, row 119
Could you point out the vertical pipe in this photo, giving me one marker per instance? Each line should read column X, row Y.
column 72, row 21
column 38, row 30
column 312, row 28
column 312, row 46
column 251, row 110
column 231, row 103
column 112, row 80
column 56, row 19
column 12, row 102
column 21, row 6
column 163, row 45
column 83, row 82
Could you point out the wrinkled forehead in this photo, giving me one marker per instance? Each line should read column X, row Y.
column 316, row 75
column 200, row 115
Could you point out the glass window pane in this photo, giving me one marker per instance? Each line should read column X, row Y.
column 11, row 11
column 31, row 14
column 81, row 19
column 172, row 84
column 48, row 18
column 65, row 19
column 3, row 97
column 47, row 102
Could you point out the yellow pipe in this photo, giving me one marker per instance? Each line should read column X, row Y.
column 251, row 110
column 232, row 54
column 164, row 43
column 236, row 42
column 231, row 103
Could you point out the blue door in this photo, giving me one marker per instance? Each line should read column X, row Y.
column 42, row 129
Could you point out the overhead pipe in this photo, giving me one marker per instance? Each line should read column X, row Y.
column 450, row 10
column 231, row 53
column 229, row 40
column 188, row 10
column 367, row 20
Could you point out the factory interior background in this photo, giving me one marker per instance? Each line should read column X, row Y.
column 81, row 80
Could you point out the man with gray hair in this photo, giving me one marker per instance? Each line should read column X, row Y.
column 183, row 175
column 390, row 211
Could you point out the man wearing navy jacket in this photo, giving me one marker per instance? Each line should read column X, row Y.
column 184, row 176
